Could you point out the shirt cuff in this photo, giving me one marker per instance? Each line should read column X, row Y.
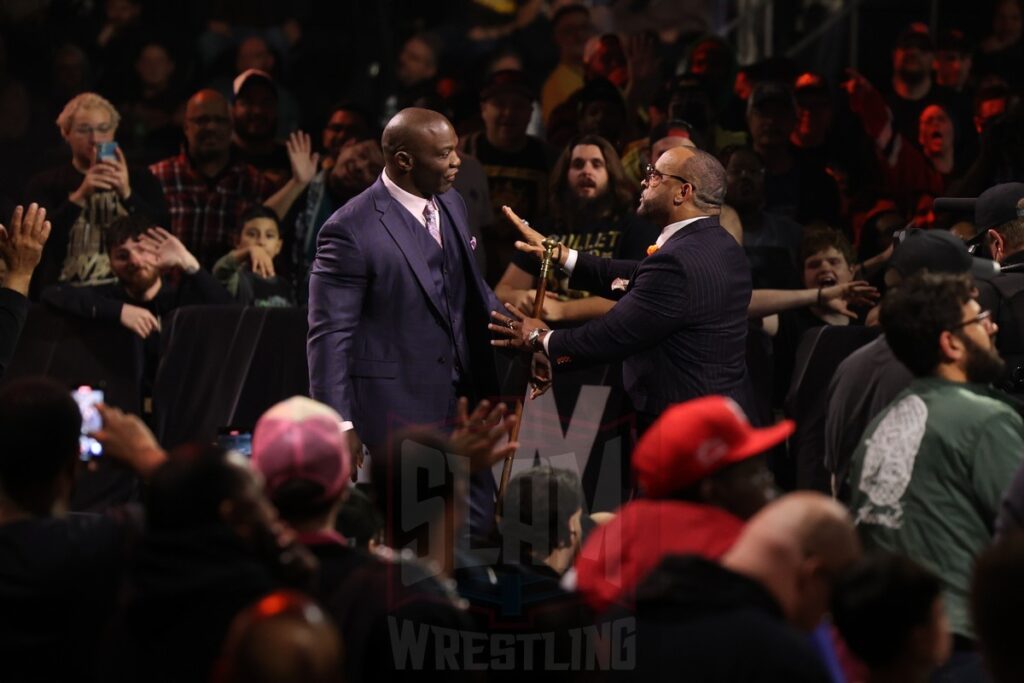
column 570, row 261
column 547, row 339
column 347, row 426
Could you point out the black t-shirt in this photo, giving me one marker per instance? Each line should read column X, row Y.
column 518, row 180
column 793, row 325
column 625, row 236
column 50, row 189
column 59, row 580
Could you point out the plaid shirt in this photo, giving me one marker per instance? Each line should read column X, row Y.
column 205, row 212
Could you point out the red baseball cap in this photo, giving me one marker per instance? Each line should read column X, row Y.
column 301, row 439
column 692, row 440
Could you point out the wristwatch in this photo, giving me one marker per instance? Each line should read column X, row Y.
column 534, row 340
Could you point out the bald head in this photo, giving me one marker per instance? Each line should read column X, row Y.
column 208, row 127
column 407, row 128
column 419, row 151
column 707, row 173
column 207, row 100
column 284, row 637
column 796, row 547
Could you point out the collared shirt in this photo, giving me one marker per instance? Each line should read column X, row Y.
column 673, row 228
column 205, row 212
column 413, row 204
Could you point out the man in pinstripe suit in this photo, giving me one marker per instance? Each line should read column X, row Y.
column 680, row 328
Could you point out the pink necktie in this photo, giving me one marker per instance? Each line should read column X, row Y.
column 433, row 224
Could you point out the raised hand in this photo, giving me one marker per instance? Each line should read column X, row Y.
column 21, row 245
column 303, row 160
column 167, row 251
column 867, row 103
column 477, row 436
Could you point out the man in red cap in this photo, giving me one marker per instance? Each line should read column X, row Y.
column 699, row 470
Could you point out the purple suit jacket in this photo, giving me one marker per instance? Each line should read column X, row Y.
column 379, row 348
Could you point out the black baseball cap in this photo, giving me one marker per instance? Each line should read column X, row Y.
column 507, row 81
column 992, row 208
column 938, row 251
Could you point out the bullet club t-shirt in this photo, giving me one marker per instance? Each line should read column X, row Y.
column 621, row 237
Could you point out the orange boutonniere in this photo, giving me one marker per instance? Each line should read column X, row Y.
column 651, row 249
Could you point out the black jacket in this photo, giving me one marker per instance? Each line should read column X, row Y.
column 697, row 621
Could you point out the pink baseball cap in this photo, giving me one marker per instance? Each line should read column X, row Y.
column 302, row 439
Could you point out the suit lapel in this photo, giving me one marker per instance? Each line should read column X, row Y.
column 398, row 227
column 466, row 251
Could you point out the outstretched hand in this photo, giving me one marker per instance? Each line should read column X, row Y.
column 479, row 435
column 533, row 241
column 839, row 298
column 516, row 328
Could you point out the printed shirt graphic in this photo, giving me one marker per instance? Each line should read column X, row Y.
column 889, row 462
column 928, row 479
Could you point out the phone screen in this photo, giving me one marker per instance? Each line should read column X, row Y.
column 106, row 150
column 236, row 440
column 86, row 397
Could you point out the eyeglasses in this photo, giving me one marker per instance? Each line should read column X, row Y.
column 85, row 131
column 653, row 176
column 984, row 319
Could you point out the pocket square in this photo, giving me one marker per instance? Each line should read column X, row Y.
column 472, row 243
column 620, row 284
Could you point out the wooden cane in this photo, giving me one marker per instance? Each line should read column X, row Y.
column 538, row 309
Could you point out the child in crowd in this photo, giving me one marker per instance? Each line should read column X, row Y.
column 248, row 271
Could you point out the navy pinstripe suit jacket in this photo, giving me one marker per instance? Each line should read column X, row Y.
column 681, row 327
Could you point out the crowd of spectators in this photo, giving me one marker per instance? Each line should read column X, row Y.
column 862, row 523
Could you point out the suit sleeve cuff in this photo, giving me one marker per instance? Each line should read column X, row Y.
column 547, row 337
column 570, row 263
